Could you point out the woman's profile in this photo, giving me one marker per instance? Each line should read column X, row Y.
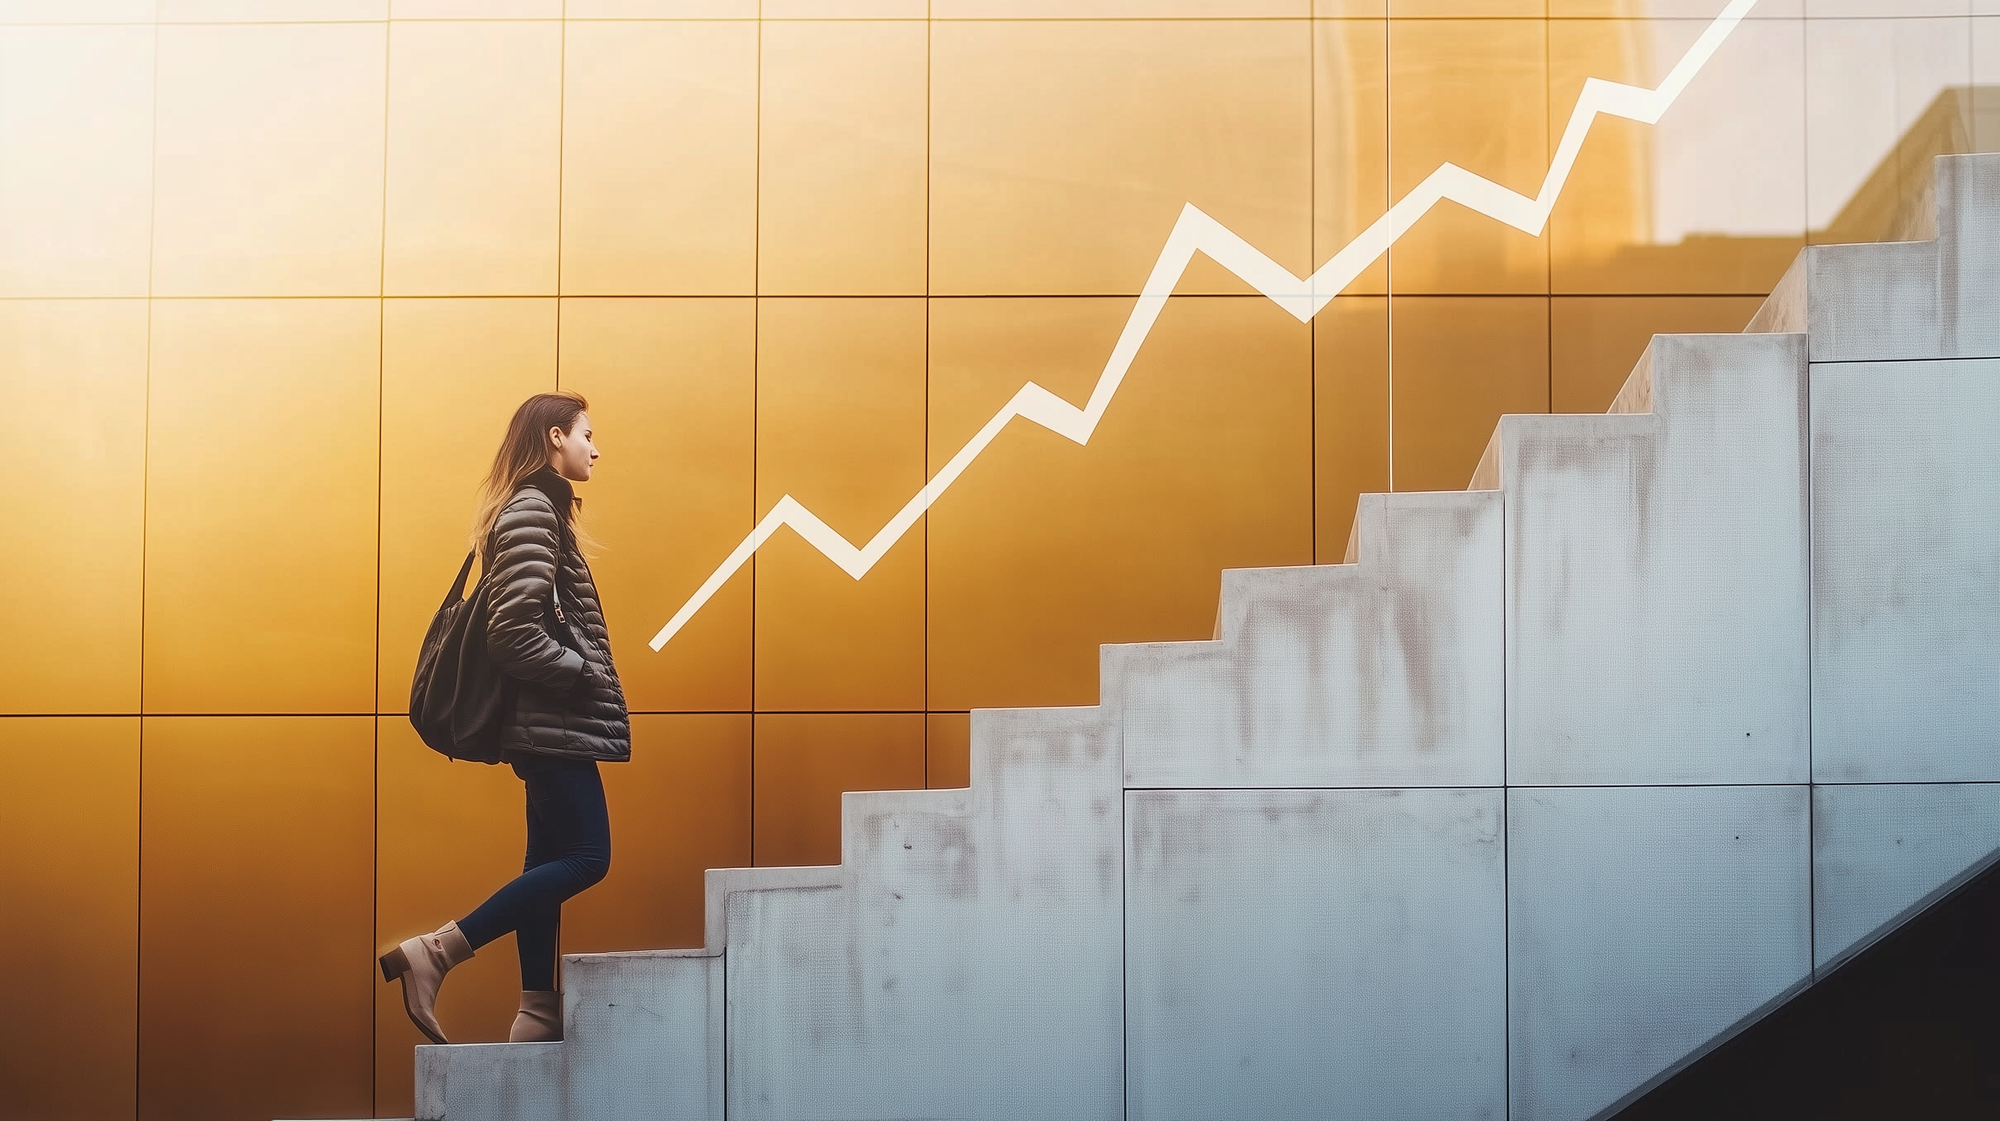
column 545, row 629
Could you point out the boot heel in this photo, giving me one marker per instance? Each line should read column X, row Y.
column 394, row 964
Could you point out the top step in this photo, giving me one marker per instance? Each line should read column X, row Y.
column 1905, row 300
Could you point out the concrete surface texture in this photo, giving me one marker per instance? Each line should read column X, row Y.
column 1556, row 784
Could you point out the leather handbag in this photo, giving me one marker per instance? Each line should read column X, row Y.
column 458, row 697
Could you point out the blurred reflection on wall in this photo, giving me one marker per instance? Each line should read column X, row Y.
column 273, row 274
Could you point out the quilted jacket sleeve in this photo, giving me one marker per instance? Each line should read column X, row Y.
column 524, row 569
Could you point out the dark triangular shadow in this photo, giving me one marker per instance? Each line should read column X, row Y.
column 1907, row 1028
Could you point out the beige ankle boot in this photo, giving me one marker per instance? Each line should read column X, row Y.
column 539, row 1020
column 422, row 963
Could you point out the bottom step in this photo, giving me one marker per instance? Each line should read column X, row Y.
column 489, row 1081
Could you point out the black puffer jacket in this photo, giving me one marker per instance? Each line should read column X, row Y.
column 570, row 703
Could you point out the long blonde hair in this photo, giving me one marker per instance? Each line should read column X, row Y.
column 524, row 451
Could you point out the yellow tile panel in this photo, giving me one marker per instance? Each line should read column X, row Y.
column 1617, row 9
column 1350, row 139
column 842, row 141
column 660, row 9
column 947, row 750
column 1460, row 363
column 271, row 11
column 1730, row 208
column 845, row 9
column 453, row 372
column 825, row 641
column 804, row 761
column 475, row 123
column 1120, row 9
column 660, row 158
column 261, row 506
column 1683, row 206
column 69, row 866
column 476, row 9
column 447, row 835
column 77, row 11
column 1701, row 10
column 680, row 807
column 258, row 834
column 268, row 180
column 76, row 173
column 1607, row 205
column 1460, row 9
column 1350, row 416
column 1043, row 549
column 672, row 389
column 1474, row 93
column 1071, row 183
column 840, row 428
column 1879, row 107
column 1594, row 341
column 79, row 367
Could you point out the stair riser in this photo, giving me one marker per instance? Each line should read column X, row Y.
column 1906, row 571
column 644, row 1037
column 972, row 967
column 1381, row 673
column 1657, row 602
column 490, row 1082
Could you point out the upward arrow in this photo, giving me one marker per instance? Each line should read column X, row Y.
column 1303, row 297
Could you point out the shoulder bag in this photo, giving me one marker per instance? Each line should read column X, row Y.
column 459, row 698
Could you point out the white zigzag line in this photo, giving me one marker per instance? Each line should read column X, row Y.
column 1302, row 298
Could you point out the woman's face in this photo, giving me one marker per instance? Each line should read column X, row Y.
column 573, row 454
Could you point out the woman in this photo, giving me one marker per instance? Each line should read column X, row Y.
column 545, row 629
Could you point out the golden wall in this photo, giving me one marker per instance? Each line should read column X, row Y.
column 274, row 273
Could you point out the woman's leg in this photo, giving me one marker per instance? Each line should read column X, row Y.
column 569, row 849
column 535, row 930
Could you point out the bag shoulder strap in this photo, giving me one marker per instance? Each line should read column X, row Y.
column 457, row 592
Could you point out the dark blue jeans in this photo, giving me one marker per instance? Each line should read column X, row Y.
column 569, row 849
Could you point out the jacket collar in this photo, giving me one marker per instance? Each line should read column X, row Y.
column 553, row 485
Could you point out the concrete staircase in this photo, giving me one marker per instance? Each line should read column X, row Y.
column 1554, row 785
